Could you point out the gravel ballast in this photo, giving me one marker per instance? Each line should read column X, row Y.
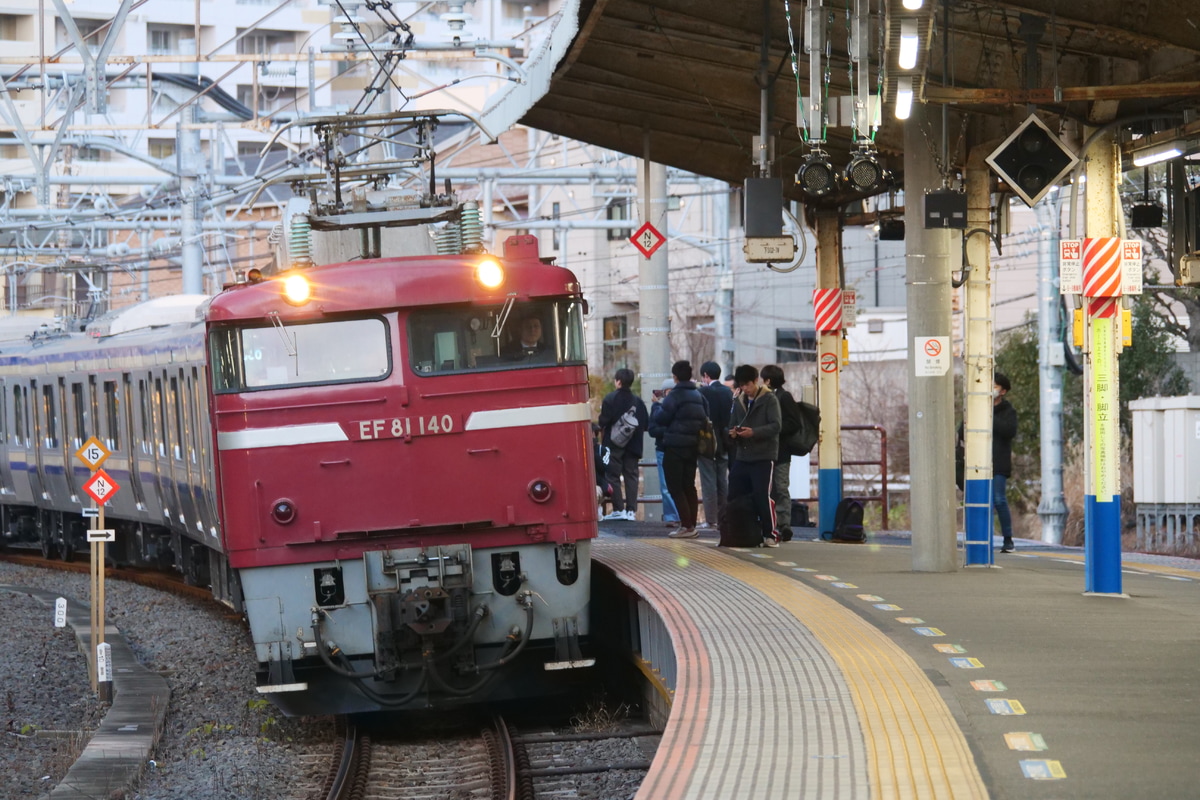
column 220, row 739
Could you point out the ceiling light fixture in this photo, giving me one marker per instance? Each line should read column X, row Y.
column 904, row 98
column 1153, row 155
column 908, row 44
column 913, row 5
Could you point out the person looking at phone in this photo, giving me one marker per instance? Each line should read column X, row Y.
column 753, row 437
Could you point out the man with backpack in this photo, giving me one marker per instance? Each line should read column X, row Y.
column 789, row 414
column 679, row 420
column 753, row 434
column 714, row 469
column 624, row 419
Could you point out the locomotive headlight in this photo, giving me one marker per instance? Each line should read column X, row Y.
column 296, row 289
column 540, row 491
column 489, row 274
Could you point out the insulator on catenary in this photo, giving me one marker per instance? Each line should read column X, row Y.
column 472, row 228
column 449, row 240
column 300, row 240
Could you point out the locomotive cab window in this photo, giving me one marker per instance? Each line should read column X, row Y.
column 277, row 356
column 527, row 334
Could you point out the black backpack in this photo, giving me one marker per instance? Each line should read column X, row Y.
column 847, row 523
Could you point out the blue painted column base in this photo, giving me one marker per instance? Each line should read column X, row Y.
column 978, row 522
column 1102, row 546
column 829, row 494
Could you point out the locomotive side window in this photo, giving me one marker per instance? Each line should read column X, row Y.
column 475, row 339
column 280, row 356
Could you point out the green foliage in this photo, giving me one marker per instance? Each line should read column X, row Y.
column 1146, row 369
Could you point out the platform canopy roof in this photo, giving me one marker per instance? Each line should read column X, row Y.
column 688, row 76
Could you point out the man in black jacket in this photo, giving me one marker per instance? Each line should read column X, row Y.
column 789, row 415
column 714, row 471
column 623, row 459
column 1004, row 430
column 679, row 420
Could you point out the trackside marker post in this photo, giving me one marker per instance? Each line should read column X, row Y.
column 60, row 612
column 100, row 487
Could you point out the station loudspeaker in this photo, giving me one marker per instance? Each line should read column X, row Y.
column 891, row 230
column 864, row 173
column 816, row 177
column 1146, row 215
column 1032, row 160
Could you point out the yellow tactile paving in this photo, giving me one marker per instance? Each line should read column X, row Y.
column 916, row 750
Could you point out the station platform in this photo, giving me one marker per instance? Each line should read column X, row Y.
column 829, row 670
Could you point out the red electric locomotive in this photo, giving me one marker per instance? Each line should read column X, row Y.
column 405, row 488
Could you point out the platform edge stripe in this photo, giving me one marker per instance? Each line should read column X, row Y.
column 533, row 415
column 668, row 778
column 856, row 780
column 900, row 694
column 1165, row 569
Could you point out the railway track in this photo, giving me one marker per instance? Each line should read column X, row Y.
column 496, row 764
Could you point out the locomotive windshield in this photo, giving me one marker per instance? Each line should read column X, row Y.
column 279, row 356
column 534, row 333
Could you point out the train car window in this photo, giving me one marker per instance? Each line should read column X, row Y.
column 93, row 426
column 18, row 428
column 112, row 415
column 50, row 414
column 160, row 422
column 281, row 356
column 80, row 415
column 3, row 414
column 144, row 422
column 536, row 333
column 177, row 418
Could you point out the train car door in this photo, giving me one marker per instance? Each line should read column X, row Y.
column 185, row 452
column 202, row 461
column 40, row 440
column 164, row 450
column 20, row 456
column 84, row 427
column 7, row 487
column 123, row 431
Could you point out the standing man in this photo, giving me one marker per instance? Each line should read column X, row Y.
column 754, row 432
column 781, row 478
column 679, row 420
column 714, row 472
column 1004, row 430
column 623, row 459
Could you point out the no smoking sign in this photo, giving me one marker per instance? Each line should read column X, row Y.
column 829, row 362
column 931, row 356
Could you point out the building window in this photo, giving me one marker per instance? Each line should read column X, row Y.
column 90, row 154
column 86, row 27
column 618, row 210
column 161, row 148
column 795, row 344
column 263, row 42
column 163, row 40
column 616, row 343
column 11, row 26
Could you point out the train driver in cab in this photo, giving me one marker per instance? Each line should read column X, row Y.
column 528, row 344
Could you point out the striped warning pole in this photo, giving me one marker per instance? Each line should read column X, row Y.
column 1102, row 508
column 827, row 314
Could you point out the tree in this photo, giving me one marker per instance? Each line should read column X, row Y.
column 1146, row 370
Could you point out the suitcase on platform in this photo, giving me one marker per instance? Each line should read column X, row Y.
column 739, row 524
